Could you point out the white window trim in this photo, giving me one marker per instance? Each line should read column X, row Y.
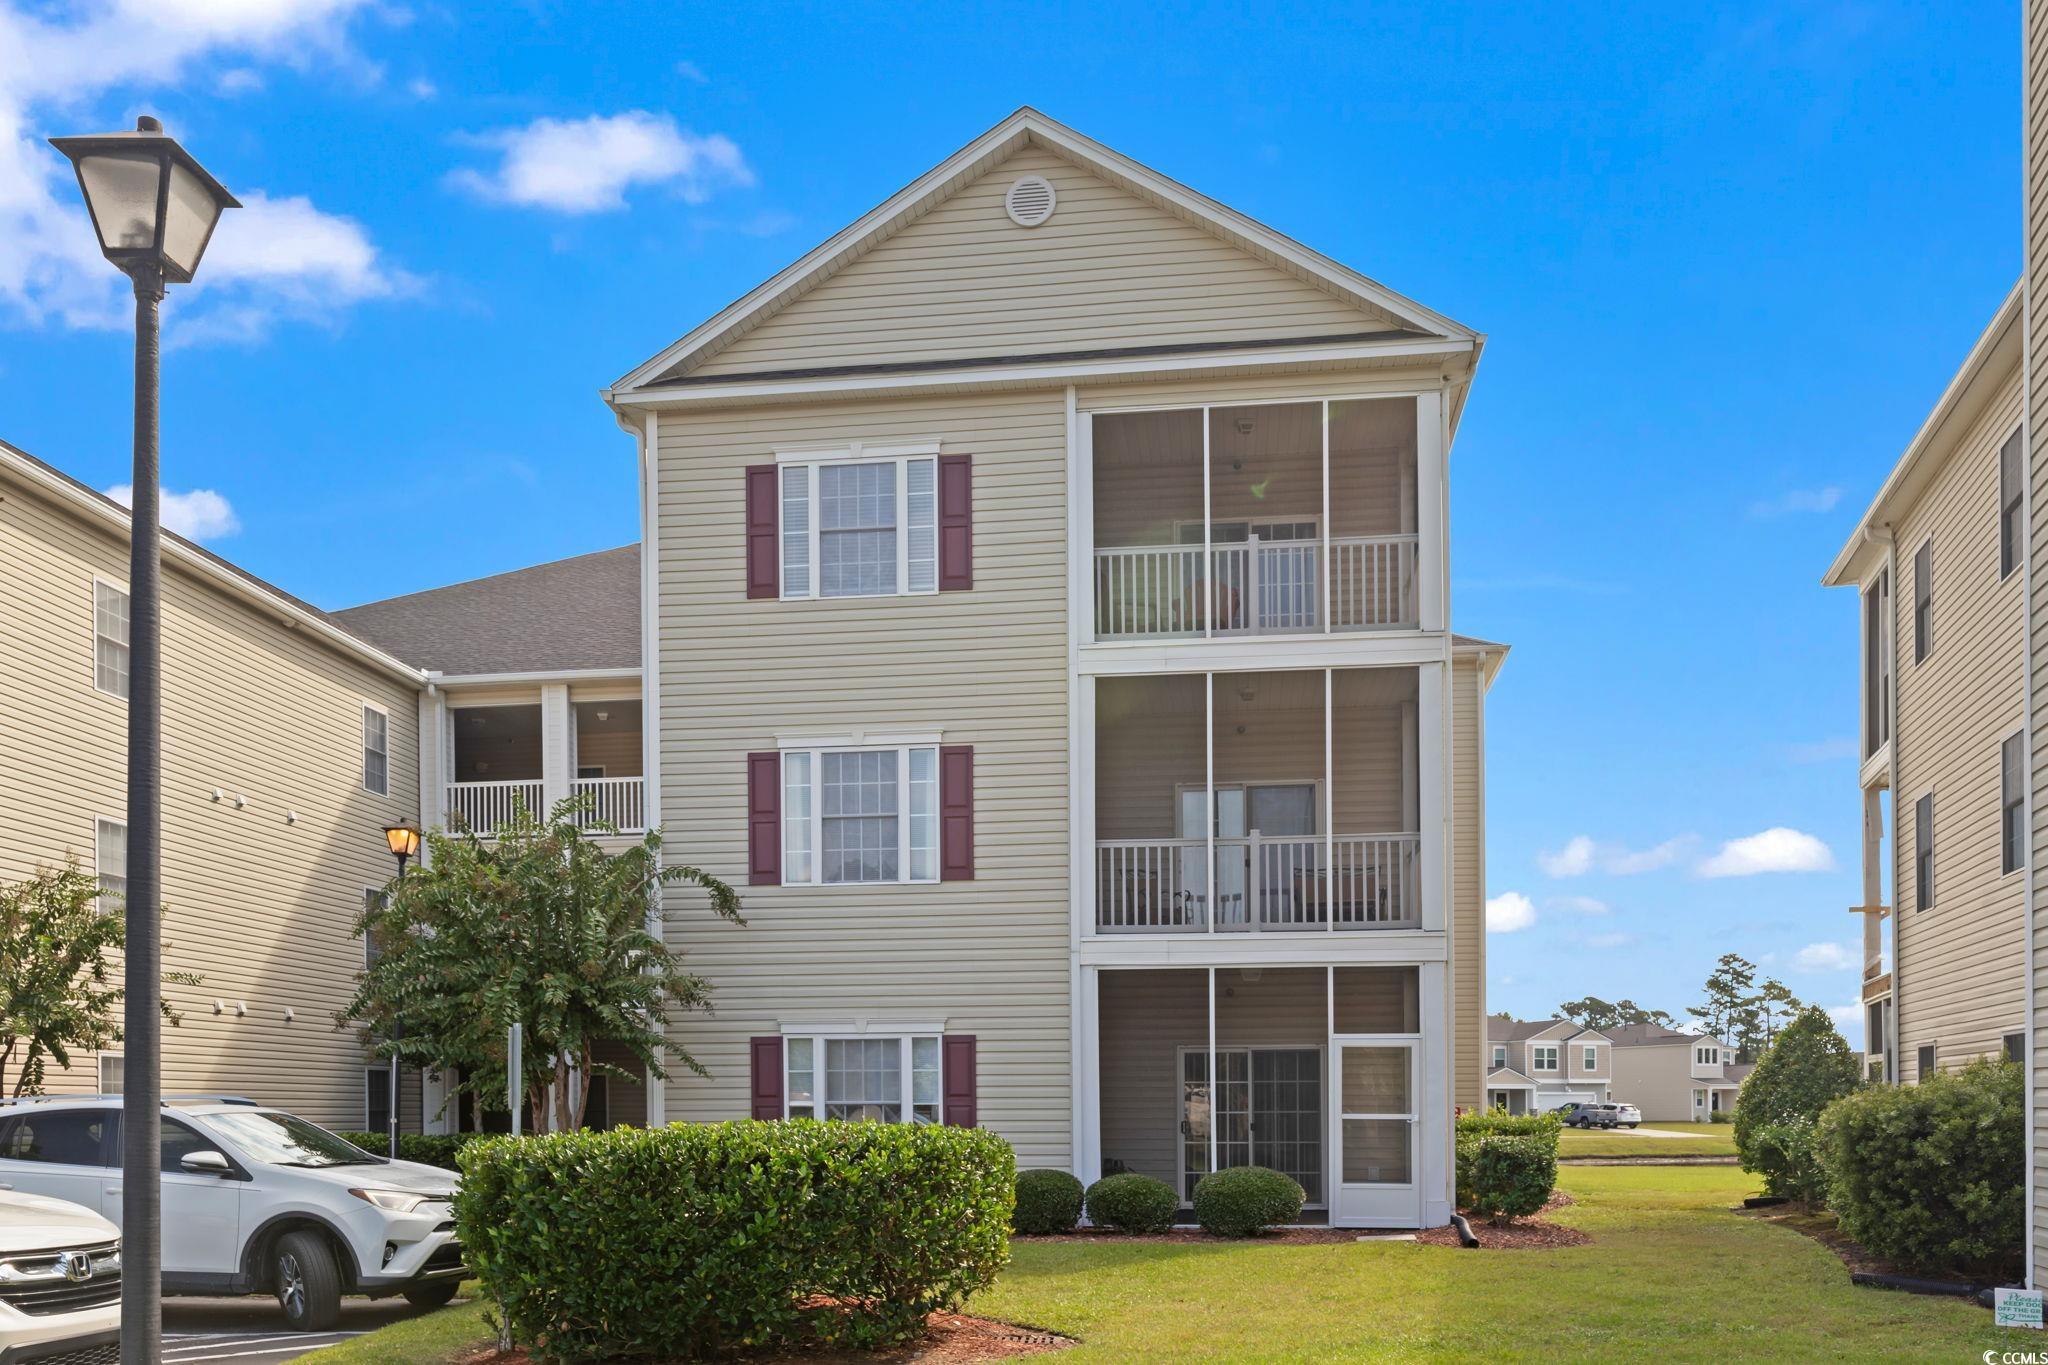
column 1589, row 1057
column 1706, row 1055
column 817, row 758
column 364, row 742
column 861, row 739
column 93, row 624
column 100, row 822
column 1536, row 1051
column 902, row 1035
column 100, row 1071
column 900, row 455
column 1500, row 1056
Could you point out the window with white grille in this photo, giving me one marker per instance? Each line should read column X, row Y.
column 860, row 815
column 860, row 528
column 109, row 639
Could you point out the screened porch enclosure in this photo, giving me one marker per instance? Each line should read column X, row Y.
column 1311, row 1071
column 1284, row 800
column 1268, row 518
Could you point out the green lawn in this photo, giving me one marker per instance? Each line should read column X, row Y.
column 1702, row 1139
column 1671, row 1275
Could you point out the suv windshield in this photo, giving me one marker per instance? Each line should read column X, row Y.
column 285, row 1140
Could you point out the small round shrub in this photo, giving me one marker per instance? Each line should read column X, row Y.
column 1048, row 1202
column 1786, row 1156
column 1932, row 1177
column 1512, row 1177
column 1720, row 1116
column 1132, row 1203
column 1243, row 1201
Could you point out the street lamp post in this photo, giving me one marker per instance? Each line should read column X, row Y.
column 404, row 842
column 154, row 208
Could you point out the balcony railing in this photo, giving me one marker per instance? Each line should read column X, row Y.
column 617, row 801
column 481, row 807
column 1263, row 882
column 1258, row 587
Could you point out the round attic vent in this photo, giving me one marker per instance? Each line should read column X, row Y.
column 1030, row 201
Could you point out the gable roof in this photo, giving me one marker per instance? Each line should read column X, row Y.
column 1408, row 319
column 570, row 615
column 1515, row 1079
column 1654, row 1035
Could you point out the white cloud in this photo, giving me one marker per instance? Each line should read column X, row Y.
column 201, row 514
column 1581, row 905
column 1774, row 850
column 1849, row 1020
column 690, row 71
column 1508, row 912
column 420, row 88
column 1822, row 750
column 1609, row 940
column 50, row 268
column 587, row 165
column 1825, row 957
column 1581, row 855
column 1798, row 500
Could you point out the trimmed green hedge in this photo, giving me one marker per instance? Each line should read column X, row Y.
column 1132, row 1203
column 429, row 1149
column 1934, row 1176
column 1511, row 1176
column 1785, row 1155
column 1048, row 1202
column 1476, row 1132
column 1243, row 1201
column 697, row 1239
column 1497, row 1122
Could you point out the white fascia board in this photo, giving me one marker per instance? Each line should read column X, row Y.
column 1391, row 649
column 1310, row 948
column 2002, row 335
column 565, row 675
column 1031, row 373
column 208, row 569
column 1027, row 124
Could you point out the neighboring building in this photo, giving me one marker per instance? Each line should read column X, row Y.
column 1047, row 604
column 288, row 744
column 1535, row 1065
column 1673, row 1075
column 1937, row 561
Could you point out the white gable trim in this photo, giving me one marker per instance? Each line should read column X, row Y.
column 1028, row 125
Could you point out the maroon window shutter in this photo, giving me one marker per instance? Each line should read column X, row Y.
column 961, row 1086
column 764, row 819
column 763, row 576
column 956, row 522
column 956, row 812
column 766, row 1057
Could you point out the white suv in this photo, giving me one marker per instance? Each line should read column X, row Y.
column 60, row 1284
column 255, row 1200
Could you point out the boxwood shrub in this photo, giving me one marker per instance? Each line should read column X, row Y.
column 698, row 1239
column 1785, row 1155
column 1132, row 1203
column 1048, row 1202
column 1475, row 1129
column 1243, row 1201
column 1510, row 1176
column 1933, row 1176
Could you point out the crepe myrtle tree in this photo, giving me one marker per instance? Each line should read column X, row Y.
column 57, row 993
column 540, row 925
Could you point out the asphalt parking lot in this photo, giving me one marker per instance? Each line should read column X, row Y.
column 251, row 1331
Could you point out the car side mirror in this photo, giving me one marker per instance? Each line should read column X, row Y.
column 205, row 1163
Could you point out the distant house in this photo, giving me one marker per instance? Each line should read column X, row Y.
column 1674, row 1076
column 1535, row 1065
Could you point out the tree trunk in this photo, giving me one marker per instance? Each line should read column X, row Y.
column 583, row 1092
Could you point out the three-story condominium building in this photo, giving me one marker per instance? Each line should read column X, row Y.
column 1046, row 616
column 1937, row 563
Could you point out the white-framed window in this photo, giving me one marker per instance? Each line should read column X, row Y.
column 1923, row 601
column 1589, row 1058
column 2012, row 489
column 1543, row 1056
column 376, row 750
column 110, row 863
column 889, row 1078
column 1699, row 1099
column 110, row 638
column 1707, row 1056
column 865, row 526
column 860, row 815
column 2012, row 796
column 113, row 1072
column 1500, row 1055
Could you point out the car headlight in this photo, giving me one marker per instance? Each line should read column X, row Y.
column 400, row 1201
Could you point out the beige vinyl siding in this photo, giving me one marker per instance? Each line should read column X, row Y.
column 1107, row 270
column 988, row 667
column 1657, row 1079
column 1961, row 985
column 1471, row 1054
column 259, row 902
column 2034, row 72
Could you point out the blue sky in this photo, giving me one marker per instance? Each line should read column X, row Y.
column 1726, row 262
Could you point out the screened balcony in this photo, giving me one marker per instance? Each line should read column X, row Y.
column 1258, row 519
column 507, row 758
column 1257, row 802
column 497, row 766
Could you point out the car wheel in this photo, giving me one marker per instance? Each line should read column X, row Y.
column 308, row 1281
column 431, row 1293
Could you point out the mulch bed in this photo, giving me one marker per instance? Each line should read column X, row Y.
column 952, row 1339
column 1820, row 1225
column 1521, row 1234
